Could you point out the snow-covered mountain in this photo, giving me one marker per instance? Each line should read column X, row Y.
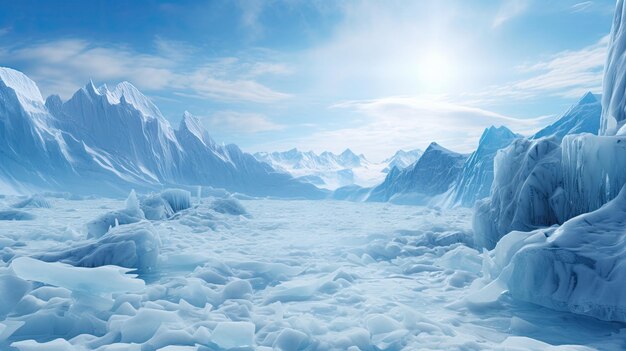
column 431, row 175
column 108, row 141
column 582, row 117
column 402, row 159
column 332, row 171
column 475, row 179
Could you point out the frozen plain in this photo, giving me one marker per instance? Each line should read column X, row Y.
column 286, row 275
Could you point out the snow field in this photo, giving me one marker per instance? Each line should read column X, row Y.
column 284, row 275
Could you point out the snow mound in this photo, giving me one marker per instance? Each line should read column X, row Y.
column 134, row 246
column 579, row 267
column 229, row 206
column 97, row 280
column 35, row 201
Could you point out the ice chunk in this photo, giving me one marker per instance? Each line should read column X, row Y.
column 107, row 279
column 35, row 201
column 230, row 335
column 135, row 246
column 12, row 289
column 131, row 214
column 15, row 215
column 32, row 345
column 165, row 204
column 177, row 198
column 143, row 326
column 291, row 340
column 229, row 206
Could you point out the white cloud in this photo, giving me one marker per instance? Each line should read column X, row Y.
column 394, row 123
column 509, row 10
column 62, row 66
column 241, row 122
column 567, row 74
column 581, row 6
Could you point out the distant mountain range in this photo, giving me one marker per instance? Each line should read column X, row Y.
column 331, row 171
column 107, row 141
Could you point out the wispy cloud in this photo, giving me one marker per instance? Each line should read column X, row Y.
column 62, row 66
column 398, row 122
column 241, row 122
column 567, row 74
column 509, row 10
column 5, row 30
column 581, row 6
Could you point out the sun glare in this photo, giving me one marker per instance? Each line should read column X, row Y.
column 435, row 71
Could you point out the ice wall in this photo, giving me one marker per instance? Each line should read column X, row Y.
column 579, row 267
column 526, row 192
column 614, row 83
column 594, row 171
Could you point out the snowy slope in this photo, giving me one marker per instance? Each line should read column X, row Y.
column 402, row 159
column 583, row 117
column 431, row 175
column 474, row 182
column 35, row 155
column 109, row 141
column 327, row 170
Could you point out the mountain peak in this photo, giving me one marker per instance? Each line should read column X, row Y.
column 588, row 98
column 26, row 90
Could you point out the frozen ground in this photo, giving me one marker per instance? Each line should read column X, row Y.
column 287, row 275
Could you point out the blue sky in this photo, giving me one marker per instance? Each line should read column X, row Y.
column 375, row 76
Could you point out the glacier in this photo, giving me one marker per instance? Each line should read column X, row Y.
column 535, row 178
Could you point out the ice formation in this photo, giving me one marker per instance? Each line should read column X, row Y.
column 538, row 181
column 578, row 267
column 524, row 195
column 614, row 82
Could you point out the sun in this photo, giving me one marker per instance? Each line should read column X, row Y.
column 435, row 71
